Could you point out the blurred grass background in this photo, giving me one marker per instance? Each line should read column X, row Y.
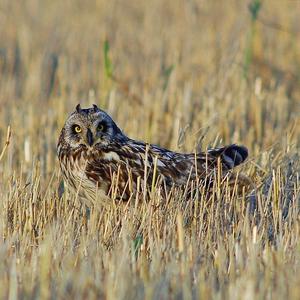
column 183, row 74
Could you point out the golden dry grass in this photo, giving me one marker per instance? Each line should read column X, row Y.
column 186, row 75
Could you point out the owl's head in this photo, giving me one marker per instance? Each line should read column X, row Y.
column 91, row 127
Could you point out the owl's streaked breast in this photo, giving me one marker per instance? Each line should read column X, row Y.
column 73, row 165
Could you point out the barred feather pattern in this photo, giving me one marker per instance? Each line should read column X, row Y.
column 114, row 166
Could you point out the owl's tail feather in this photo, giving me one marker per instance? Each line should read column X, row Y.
column 231, row 156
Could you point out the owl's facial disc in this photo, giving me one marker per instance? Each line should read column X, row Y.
column 90, row 128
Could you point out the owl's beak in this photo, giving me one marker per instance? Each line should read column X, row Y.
column 89, row 137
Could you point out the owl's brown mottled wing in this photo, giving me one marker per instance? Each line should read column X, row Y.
column 120, row 165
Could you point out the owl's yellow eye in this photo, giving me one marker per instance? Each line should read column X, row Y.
column 101, row 126
column 77, row 129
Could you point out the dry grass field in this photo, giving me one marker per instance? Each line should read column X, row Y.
column 186, row 75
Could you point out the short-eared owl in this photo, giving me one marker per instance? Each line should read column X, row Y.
column 98, row 160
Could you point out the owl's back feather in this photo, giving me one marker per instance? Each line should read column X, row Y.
column 130, row 160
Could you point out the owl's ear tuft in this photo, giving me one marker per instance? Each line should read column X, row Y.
column 95, row 107
column 78, row 108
